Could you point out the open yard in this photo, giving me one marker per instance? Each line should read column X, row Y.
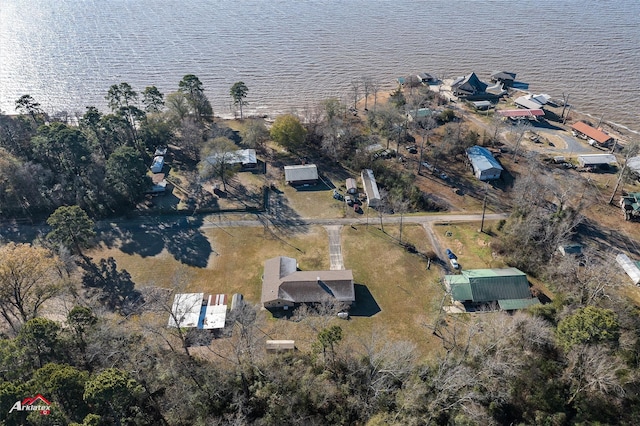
column 396, row 294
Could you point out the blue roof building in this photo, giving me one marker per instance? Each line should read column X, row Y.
column 485, row 166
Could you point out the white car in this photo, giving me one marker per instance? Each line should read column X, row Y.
column 454, row 263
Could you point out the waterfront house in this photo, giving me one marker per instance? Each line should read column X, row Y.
column 504, row 77
column 468, row 87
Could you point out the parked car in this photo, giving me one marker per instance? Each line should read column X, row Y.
column 450, row 254
column 338, row 196
column 349, row 200
column 427, row 166
column 444, row 176
column 454, row 263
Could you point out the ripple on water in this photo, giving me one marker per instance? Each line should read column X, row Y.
column 293, row 54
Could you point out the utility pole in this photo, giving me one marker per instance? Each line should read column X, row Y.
column 630, row 151
column 600, row 121
column 484, row 207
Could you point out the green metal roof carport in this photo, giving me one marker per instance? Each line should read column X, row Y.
column 511, row 304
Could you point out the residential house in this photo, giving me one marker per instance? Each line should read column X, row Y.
column 504, row 77
column 485, row 166
column 283, row 286
column 508, row 287
column 370, row 188
column 304, row 174
column 426, row 78
column 469, row 87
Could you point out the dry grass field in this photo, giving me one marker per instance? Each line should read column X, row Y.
column 396, row 295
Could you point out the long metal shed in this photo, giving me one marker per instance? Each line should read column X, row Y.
column 370, row 188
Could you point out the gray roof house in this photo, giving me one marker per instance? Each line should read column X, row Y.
column 485, row 166
column 504, row 77
column 508, row 287
column 283, row 286
column 304, row 174
column 469, row 86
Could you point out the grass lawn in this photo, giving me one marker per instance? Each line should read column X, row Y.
column 234, row 264
column 397, row 295
column 392, row 284
column 314, row 201
column 472, row 247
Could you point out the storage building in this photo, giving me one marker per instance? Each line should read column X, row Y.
column 508, row 287
column 304, row 174
column 485, row 166
column 352, row 186
column 370, row 188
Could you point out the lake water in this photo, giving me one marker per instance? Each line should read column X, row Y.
column 292, row 53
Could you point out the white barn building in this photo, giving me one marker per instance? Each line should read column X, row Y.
column 485, row 166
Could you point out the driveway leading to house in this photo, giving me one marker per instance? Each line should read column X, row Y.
column 335, row 247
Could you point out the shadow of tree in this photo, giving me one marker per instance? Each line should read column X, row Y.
column 283, row 217
column 13, row 231
column 181, row 237
column 365, row 305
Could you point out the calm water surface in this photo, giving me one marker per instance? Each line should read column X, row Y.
column 291, row 53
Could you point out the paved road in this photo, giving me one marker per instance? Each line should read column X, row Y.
column 436, row 218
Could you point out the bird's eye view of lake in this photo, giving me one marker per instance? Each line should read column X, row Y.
column 292, row 54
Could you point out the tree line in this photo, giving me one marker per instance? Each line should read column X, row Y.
column 97, row 160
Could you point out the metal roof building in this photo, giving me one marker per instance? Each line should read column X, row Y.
column 485, row 166
column 526, row 102
column 518, row 113
column 593, row 160
column 597, row 135
column 301, row 174
column 630, row 267
column 370, row 187
column 507, row 286
column 192, row 310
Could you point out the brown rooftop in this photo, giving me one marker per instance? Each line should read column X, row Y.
column 284, row 285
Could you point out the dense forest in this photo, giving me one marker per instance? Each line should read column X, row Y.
column 108, row 358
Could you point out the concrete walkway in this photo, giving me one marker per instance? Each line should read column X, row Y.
column 335, row 247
